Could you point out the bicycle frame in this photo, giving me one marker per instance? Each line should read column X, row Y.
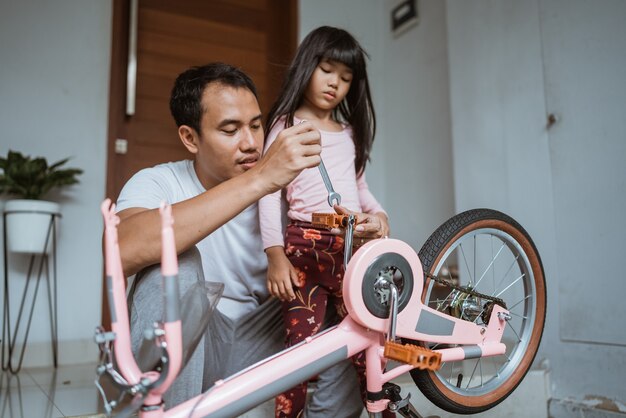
column 360, row 330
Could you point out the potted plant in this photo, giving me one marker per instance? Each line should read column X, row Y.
column 29, row 180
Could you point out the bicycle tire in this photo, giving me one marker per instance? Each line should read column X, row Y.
column 484, row 226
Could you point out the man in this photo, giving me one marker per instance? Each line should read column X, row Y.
column 216, row 227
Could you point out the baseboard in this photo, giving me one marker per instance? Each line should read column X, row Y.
column 591, row 407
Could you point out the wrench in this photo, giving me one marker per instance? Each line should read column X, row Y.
column 332, row 194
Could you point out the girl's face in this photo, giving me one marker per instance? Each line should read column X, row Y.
column 329, row 84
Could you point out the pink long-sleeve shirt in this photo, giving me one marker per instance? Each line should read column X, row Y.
column 307, row 193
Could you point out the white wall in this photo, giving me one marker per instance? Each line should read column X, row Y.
column 588, row 148
column 411, row 169
column 54, row 91
column 503, row 77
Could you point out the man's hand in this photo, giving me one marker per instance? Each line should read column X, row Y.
column 281, row 274
column 369, row 226
column 295, row 149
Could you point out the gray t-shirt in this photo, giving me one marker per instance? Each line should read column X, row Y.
column 233, row 254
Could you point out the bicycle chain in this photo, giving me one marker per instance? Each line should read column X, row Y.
column 471, row 292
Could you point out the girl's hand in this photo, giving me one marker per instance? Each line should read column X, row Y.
column 280, row 274
column 369, row 226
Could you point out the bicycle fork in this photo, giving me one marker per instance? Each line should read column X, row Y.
column 389, row 398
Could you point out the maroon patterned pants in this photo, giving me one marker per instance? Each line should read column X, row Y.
column 317, row 255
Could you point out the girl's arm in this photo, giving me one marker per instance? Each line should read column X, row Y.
column 280, row 272
column 369, row 204
column 270, row 206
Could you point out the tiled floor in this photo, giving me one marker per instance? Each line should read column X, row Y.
column 47, row 393
column 68, row 391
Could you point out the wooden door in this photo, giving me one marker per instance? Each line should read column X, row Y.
column 258, row 36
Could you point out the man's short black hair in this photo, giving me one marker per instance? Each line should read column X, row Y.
column 186, row 97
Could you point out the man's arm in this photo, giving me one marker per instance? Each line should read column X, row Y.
column 295, row 149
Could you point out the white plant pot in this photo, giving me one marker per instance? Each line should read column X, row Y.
column 28, row 225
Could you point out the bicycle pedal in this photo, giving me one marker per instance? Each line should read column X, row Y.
column 329, row 220
column 419, row 357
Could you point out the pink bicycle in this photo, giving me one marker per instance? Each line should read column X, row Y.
column 465, row 321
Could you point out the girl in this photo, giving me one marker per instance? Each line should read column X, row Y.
column 327, row 86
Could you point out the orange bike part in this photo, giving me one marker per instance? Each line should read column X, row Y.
column 420, row 357
column 329, row 220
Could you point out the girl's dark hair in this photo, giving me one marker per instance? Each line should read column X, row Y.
column 186, row 97
column 356, row 109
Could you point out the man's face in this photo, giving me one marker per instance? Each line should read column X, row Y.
column 230, row 140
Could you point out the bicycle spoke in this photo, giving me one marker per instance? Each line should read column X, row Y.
column 493, row 271
column 493, row 260
column 449, row 273
column 509, row 286
column 465, row 259
column 517, row 303
column 472, row 375
column 519, row 339
column 436, row 301
column 475, row 255
column 479, row 316
column 507, row 272
column 517, row 315
column 496, row 369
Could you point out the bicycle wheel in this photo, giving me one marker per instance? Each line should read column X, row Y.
column 486, row 251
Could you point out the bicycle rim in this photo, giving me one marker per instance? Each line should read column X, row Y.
column 490, row 253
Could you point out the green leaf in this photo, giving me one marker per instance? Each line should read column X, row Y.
column 32, row 178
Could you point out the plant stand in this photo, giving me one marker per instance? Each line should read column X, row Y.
column 39, row 263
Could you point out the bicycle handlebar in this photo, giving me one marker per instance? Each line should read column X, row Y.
column 116, row 288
